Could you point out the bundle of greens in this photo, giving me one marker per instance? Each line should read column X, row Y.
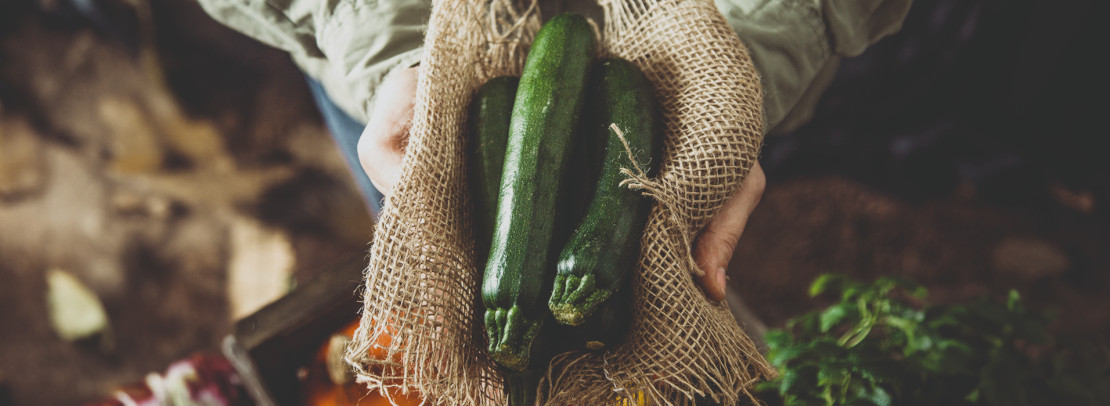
column 880, row 345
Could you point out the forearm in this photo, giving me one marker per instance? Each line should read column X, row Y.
column 351, row 45
column 348, row 45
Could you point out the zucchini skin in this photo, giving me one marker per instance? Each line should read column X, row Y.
column 606, row 327
column 521, row 386
column 605, row 247
column 490, row 112
column 519, row 272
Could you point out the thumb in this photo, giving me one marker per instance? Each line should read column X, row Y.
column 715, row 244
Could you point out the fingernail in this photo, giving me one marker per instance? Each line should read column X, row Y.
column 721, row 282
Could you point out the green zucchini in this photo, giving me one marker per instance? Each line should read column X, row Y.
column 489, row 131
column 606, row 327
column 520, row 386
column 490, row 114
column 605, row 246
column 519, row 272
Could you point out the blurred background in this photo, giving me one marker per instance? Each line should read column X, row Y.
column 182, row 174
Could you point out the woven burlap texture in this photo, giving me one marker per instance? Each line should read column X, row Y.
column 421, row 328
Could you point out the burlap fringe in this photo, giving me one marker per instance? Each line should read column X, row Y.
column 639, row 180
column 421, row 329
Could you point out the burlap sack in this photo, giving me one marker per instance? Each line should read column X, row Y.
column 421, row 328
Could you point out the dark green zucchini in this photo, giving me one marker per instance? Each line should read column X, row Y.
column 606, row 327
column 520, row 386
column 490, row 113
column 519, row 272
column 605, row 246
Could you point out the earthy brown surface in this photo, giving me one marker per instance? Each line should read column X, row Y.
column 960, row 248
column 138, row 187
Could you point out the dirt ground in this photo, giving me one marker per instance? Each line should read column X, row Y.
column 160, row 170
column 158, row 185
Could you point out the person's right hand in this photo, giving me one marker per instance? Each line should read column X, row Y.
column 382, row 144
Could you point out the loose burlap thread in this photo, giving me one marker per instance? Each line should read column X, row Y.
column 421, row 328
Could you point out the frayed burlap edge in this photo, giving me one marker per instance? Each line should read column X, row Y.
column 683, row 348
column 420, row 329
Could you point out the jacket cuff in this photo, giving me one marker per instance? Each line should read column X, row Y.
column 363, row 42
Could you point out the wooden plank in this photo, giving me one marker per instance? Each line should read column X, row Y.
column 284, row 335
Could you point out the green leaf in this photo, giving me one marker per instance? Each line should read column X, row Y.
column 831, row 373
column 1013, row 300
column 776, row 339
column 825, row 346
column 918, row 292
column 879, row 396
column 805, row 325
column 853, row 292
column 798, row 381
column 948, row 357
column 836, row 314
column 918, row 343
column 973, row 397
column 879, row 371
column 878, row 346
column 782, row 356
column 937, row 319
column 908, row 326
column 827, row 283
column 855, row 336
column 788, row 380
column 803, row 400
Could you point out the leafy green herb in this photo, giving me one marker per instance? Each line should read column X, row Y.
column 880, row 345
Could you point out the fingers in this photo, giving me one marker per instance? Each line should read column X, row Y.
column 382, row 144
column 715, row 244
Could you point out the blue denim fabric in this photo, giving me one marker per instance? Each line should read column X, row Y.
column 345, row 130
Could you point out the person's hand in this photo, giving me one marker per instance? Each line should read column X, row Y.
column 382, row 144
column 716, row 242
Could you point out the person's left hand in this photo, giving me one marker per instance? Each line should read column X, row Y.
column 715, row 244
column 382, row 144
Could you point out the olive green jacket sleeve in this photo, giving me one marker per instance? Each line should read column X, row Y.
column 351, row 45
column 347, row 45
column 796, row 46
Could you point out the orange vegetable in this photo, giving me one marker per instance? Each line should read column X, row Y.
column 379, row 349
column 320, row 390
